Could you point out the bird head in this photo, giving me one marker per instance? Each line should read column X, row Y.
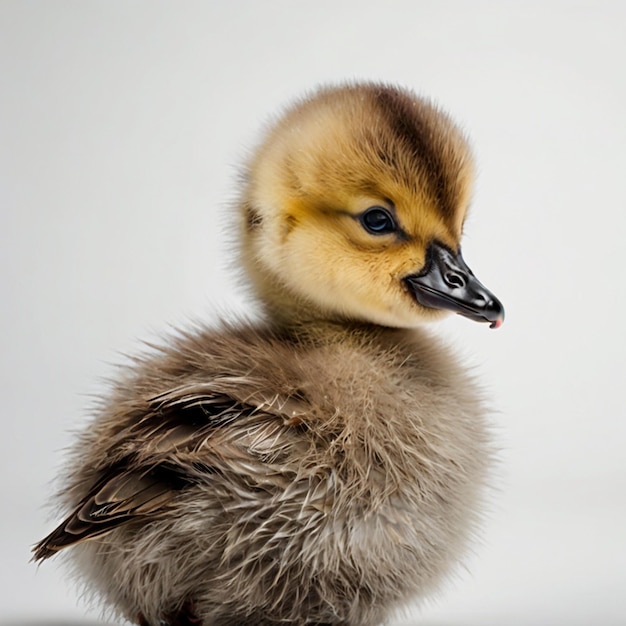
column 353, row 208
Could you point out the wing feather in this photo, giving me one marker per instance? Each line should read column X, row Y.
column 182, row 428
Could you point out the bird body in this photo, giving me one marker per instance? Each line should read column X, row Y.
column 325, row 464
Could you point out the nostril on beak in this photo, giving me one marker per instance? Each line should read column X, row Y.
column 454, row 279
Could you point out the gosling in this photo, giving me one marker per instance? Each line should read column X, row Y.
column 326, row 464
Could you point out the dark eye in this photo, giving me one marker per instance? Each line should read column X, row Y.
column 377, row 221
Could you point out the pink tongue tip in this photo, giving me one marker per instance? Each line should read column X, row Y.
column 497, row 323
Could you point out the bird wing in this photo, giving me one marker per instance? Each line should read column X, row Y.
column 121, row 496
column 180, row 439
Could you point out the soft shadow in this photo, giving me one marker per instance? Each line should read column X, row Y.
column 59, row 621
column 74, row 622
column 39, row 621
column 435, row 622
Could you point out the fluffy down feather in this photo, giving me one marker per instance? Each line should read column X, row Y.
column 325, row 465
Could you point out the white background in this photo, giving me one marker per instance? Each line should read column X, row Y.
column 121, row 127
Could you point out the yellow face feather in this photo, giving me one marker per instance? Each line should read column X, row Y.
column 329, row 159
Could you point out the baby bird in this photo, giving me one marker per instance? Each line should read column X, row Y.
column 326, row 464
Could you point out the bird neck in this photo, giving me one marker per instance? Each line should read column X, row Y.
column 291, row 313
